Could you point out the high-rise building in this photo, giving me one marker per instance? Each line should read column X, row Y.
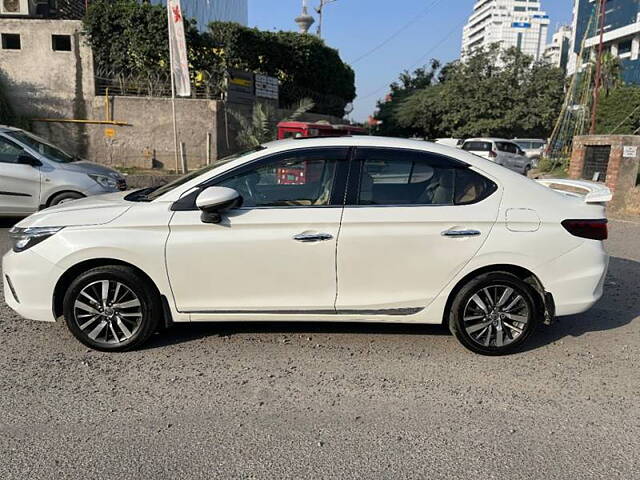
column 510, row 23
column 557, row 52
column 206, row 11
column 621, row 34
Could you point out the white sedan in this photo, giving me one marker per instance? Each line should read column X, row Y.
column 360, row 229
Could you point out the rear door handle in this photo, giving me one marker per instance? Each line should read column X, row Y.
column 312, row 237
column 461, row 233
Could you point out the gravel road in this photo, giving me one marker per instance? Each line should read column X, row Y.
column 330, row 401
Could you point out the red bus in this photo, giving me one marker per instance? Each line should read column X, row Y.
column 318, row 129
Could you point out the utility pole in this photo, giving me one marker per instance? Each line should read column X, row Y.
column 319, row 9
column 596, row 91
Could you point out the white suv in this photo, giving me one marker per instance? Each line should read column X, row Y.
column 500, row 151
column 35, row 174
column 360, row 229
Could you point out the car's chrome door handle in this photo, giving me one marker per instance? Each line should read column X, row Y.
column 461, row 233
column 307, row 237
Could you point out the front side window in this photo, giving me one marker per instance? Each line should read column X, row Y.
column 9, row 151
column 403, row 177
column 295, row 179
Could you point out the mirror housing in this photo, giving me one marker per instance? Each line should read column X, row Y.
column 25, row 159
column 213, row 201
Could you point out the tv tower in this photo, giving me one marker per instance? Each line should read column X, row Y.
column 304, row 20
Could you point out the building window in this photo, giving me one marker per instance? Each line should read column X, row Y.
column 61, row 43
column 10, row 41
column 624, row 47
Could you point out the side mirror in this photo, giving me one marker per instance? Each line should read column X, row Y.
column 213, row 201
column 25, row 159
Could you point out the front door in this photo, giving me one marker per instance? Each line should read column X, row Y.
column 19, row 183
column 275, row 254
column 415, row 220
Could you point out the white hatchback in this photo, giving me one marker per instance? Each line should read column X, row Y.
column 500, row 151
column 360, row 229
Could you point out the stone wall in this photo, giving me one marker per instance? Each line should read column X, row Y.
column 622, row 171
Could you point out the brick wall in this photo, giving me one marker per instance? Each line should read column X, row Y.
column 622, row 171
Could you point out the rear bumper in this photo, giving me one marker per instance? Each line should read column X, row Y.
column 576, row 279
column 29, row 281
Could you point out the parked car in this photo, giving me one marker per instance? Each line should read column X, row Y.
column 500, row 151
column 35, row 174
column 352, row 229
column 450, row 142
column 533, row 148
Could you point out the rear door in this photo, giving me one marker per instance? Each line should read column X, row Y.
column 411, row 222
column 19, row 183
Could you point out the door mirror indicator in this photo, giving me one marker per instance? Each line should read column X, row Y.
column 213, row 201
column 25, row 159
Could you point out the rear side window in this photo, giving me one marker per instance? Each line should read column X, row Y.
column 477, row 146
column 404, row 177
column 471, row 187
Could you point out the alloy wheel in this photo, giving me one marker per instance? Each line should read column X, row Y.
column 108, row 312
column 496, row 316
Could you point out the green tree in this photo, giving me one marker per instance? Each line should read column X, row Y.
column 407, row 84
column 619, row 112
column 493, row 93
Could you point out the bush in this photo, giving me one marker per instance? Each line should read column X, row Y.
column 130, row 39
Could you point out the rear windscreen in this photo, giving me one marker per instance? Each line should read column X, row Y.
column 477, row 146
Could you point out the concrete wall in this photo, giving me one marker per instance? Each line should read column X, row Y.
column 43, row 83
column 622, row 172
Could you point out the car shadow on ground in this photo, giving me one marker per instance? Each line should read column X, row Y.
column 619, row 306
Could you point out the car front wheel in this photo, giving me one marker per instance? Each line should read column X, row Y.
column 494, row 314
column 112, row 308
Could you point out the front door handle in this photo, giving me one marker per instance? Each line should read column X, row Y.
column 312, row 237
column 461, row 233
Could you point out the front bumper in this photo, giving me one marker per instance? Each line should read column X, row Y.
column 29, row 281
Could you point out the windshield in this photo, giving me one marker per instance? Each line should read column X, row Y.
column 196, row 173
column 41, row 146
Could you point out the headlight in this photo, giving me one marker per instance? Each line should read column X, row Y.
column 104, row 181
column 24, row 238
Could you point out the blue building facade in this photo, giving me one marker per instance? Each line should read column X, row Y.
column 621, row 32
column 206, row 11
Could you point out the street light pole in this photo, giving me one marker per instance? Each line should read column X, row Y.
column 319, row 9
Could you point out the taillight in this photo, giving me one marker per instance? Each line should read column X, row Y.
column 592, row 229
column 493, row 154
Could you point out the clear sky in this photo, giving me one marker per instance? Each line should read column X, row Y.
column 355, row 27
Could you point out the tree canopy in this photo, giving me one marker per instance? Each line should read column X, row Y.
column 129, row 38
column 492, row 93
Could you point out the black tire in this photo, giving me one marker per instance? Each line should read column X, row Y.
column 527, row 169
column 463, row 303
column 64, row 197
column 121, row 321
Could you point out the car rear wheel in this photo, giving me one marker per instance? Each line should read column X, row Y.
column 494, row 314
column 112, row 308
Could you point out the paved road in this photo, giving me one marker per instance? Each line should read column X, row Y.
column 330, row 401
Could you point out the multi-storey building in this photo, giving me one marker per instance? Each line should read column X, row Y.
column 511, row 23
column 557, row 52
column 621, row 34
